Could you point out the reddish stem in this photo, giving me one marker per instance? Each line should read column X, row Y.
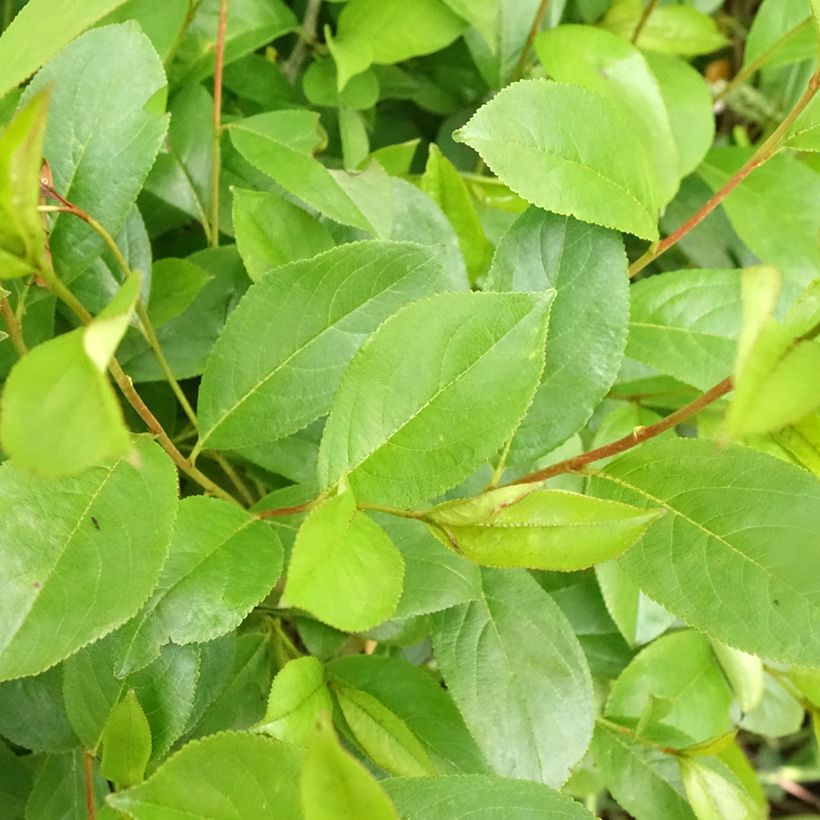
column 640, row 435
column 90, row 799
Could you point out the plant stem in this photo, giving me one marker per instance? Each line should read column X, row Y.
column 193, row 7
column 88, row 772
column 147, row 326
column 533, row 33
column 625, row 730
column 755, row 65
column 764, row 153
column 216, row 138
column 398, row 511
column 635, row 438
column 307, row 35
column 647, row 13
column 234, row 476
column 13, row 327
column 294, row 510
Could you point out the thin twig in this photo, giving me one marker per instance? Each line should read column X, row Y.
column 576, row 463
column 193, row 8
column 13, row 327
column 233, row 475
column 307, row 36
column 755, row 65
column 765, row 152
column 216, row 138
column 534, row 29
column 647, row 13
column 90, row 798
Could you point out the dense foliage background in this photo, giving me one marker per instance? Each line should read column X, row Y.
column 410, row 408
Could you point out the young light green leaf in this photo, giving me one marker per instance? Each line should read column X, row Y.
column 587, row 267
column 79, row 555
column 126, row 743
column 779, row 713
column 390, row 31
column 460, row 798
column 474, row 369
column 744, row 672
column 298, row 699
column 538, row 529
column 686, row 323
column 484, row 15
column 554, row 158
column 671, row 29
column 222, row 777
column 675, row 690
column 644, row 780
column 251, row 25
column 221, row 562
column 744, row 555
column 443, row 184
column 344, row 569
column 608, row 65
column 305, row 320
column 410, row 699
column 22, row 238
column 321, row 87
column 39, row 31
column 60, row 414
column 804, row 135
column 120, row 124
column 162, row 22
column 535, row 721
column 715, row 793
column 333, row 784
column 773, row 20
column 271, row 231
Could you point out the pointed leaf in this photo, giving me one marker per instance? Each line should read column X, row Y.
column 742, row 561
column 554, row 158
column 305, row 321
column 538, row 529
column 344, row 569
column 79, row 556
column 126, row 743
column 519, row 677
column 715, row 793
column 474, row 369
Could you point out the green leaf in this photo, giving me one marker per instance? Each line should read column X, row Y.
column 775, row 382
column 333, row 784
column 120, row 125
column 270, row 231
column 281, row 144
column 606, row 64
column 744, row 672
column 321, row 87
column 22, row 238
column 783, row 185
column 435, row 578
column 442, row 182
column 251, row 25
column 537, row 529
column 221, row 562
column 804, row 135
column 587, row 267
column 390, row 31
column 222, row 777
column 15, row 783
column 645, row 781
column 715, row 793
column 392, row 428
column 778, row 714
column 60, row 789
column 175, row 284
column 60, row 414
column 126, row 743
column 534, row 720
column 484, row 15
column 32, row 713
column 39, row 31
column 670, row 29
column 298, row 700
column 686, row 324
column 555, row 158
column 163, row 23
column 305, row 321
column 675, row 690
column 344, row 568
column 410, row 697
column 743, row 557
column 79, row 555
column 772, row 20
column 480, row 795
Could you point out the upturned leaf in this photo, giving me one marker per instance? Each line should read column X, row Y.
column 538, row 529
column 126, row 743
column 80, row 555
column 554, row 158
column 403, row 428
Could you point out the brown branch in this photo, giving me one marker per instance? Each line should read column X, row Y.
column 647, row 13
column 13, row 327
column 534, row 29
column 90, row 799
column 764, row 153
column 216, row 137
column 631, row 440
column 307, row 36
column 294, row 510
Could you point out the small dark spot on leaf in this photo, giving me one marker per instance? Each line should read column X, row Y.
column 37, row 585
column 95, row 522
column 775, row 602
